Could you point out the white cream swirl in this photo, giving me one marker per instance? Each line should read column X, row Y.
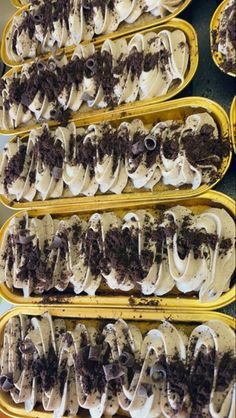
column 157, row 373
column 102, row 158
column 117, row 73
column 34, row 33
column 155, row 253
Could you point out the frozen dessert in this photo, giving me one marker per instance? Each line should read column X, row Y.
column 149, row 253
column 224, row 40
column 47, row 25
column 162, row 372
column 73, row 161
column 145, row 67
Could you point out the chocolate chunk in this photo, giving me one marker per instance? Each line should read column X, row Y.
column 27, row 347
column 112, row 372
column 150, row 142
column 95, row 352
column 6, row 382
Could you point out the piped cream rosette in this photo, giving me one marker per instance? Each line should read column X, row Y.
column 174, row 248
column 160, row 373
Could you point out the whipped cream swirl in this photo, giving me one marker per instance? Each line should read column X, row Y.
column 160, row 373
column 47, row 25
column 72, row 161
column 146, row 67
column 226, row 44
column 148, row 253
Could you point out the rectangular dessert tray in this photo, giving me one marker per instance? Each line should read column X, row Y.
column 214, row 29
column 144, row 319
column 145, row 21
column 178, row 109
column 107, row 298
column 88, row 115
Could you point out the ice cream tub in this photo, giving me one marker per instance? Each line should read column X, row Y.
column 87, row 114
column 182, row 324
column 214, row 38
column 145, row 21
column 233, row 122
column 172, row 299
column 180, row 110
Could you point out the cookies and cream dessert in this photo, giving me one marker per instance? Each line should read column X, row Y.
column 226, row 44
column 149, row 253
column 162, row 372
column 50, row 24
column 146, row 67
column 73, row 161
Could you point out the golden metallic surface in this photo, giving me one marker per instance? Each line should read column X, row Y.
column 144, row 22
column 214, row 26
column 174, row 300
column 177, row 110
column 87, row 115
column 144, row 319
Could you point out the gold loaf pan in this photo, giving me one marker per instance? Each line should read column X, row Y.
column 214, row 26
column 144, row 22
column 177, row 109
column 144, row 319
column 87, row 115
column 107, row 298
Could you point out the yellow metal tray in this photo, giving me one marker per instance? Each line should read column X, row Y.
column 214, row 26
column 16, row 3
column 144, row 22
column 108, row 299
column 233, row 122
column 86, row 115
column 144, row 319
column 176, row 109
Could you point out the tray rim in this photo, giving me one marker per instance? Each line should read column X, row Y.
column 130, row 28
column 213, row 108
column 89, row 115
column 233, row 122
column 214, row 25
column 125, row 301
column 198, row 317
